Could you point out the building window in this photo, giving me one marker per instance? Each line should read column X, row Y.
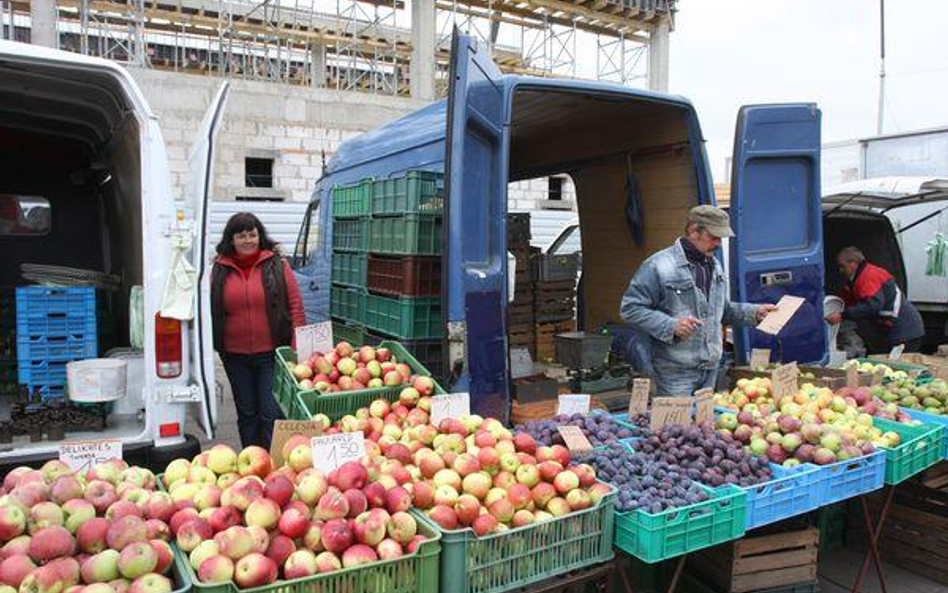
column 258, row 172
column 555, row 189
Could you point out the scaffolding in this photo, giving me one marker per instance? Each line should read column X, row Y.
column 354, row 45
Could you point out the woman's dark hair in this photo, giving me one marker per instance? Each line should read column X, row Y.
column 238, row 223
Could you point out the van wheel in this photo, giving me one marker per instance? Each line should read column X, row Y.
column 160, row 457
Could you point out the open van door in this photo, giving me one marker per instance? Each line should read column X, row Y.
column 775, row 213
column 201, row 336
column 474, row 231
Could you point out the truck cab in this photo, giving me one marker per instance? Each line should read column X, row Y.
column 85, row 164
column 496, row 129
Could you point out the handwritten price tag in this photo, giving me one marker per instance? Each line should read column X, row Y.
column 878, row 375
column 449, row 405
column 331, row 451
column 760, row 357
column 896, row 352
column 314, row 338
column 574, row 438
column 704, row 405
column 83, row 455
column 638, row 403
column 670, row 410
column 852, row 376
column 784, row 379
column 284, row 429
column 573, row 403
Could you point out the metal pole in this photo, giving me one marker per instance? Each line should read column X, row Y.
column 881, row 67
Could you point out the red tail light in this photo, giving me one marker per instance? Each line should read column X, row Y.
column 167, row 347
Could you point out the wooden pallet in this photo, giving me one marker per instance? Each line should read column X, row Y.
column 546, row 332
column 762, row 562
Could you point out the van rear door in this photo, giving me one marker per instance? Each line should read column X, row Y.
column 474, row 230
column 775, row 213
column 201, row 337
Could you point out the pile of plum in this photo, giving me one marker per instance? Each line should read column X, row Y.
column 600, row 429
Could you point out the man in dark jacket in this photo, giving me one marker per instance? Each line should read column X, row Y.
column 876, row 303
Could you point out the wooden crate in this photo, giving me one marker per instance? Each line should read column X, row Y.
column 546, row 344
column 542, row 410
column 773, row 559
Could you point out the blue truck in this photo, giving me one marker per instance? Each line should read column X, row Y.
column 494, row 129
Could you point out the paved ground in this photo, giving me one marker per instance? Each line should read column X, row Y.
column 227, row 417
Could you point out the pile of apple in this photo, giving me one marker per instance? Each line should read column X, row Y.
column 346, row 368
column 240, row 519
column 470, row 471
column 102, row 531
column 812, row 426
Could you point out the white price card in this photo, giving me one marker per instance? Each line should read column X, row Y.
column 638, row 402
column 83, row 455
column 521, row 364
column 704, row 405
column 760, row 357
column 314, row 338
column 573, row 403
column 332, row 450
column 449, row 405
column 783, row 380
column 896, row 352
column 574, row 438
column 776, row 319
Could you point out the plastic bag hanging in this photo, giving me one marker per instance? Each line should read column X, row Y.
column 177, row 302
column 937, row 251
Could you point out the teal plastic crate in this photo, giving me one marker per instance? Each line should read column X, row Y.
column 411, row 234
column 929, row 418
column 922, row 447
column 350, row 235
column 349, row 269
column 509, row 560
column 351, row 201
column 347, row 303
column 407, row 318
column 354, row 334
column 417, row 192
column 660, row 536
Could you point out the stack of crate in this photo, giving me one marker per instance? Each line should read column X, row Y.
column 54, row 326
column 521, row 331
column 386, row 268
column 8, row 379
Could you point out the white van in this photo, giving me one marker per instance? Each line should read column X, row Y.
column 78, row 138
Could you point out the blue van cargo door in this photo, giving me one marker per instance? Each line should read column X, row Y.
column 475, row 242
column 775, row 212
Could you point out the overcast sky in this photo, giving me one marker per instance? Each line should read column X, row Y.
column 727, row 53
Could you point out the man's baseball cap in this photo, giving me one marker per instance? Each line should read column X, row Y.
column 715, row 220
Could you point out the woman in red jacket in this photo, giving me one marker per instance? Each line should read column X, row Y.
column 255, row 304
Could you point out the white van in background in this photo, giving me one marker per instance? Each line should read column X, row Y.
column 78, row 135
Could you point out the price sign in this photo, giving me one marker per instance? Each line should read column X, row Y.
column 314, row 338
column 670, row 410
column 574, row 438
column 449, row 405
column 521, row 365
column 878, row 375
column 896, row 352
column 284, row 429
column 852, row 376
column 776, row 319
column 784, row 379
column 638, row 403
column 573, row 403
column 760, row 358
column 331, row 451
column 83, row 455
column 704, row 405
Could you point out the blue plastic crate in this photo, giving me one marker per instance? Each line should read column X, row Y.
column 56, row 348
column 41, row 372
column 791, row 492
column 50, row 391
column 930, row 419
column 846, row 479
column 43, row 311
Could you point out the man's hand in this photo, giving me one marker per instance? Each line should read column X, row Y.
column 687, row 326
column 763, row 310
column 834, row 318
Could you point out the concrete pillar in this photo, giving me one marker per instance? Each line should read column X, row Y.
column 658, row 57
column 423, row 49
column 318, row 65
column 43, row 23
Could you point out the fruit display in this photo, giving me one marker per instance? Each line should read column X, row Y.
column 665, row 470
column 890, row 374
column 240, row 519
column 600, row 429
column 931, row 397
column 347, row 368
column 100, row 531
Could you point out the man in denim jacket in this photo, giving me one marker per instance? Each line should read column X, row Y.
column 679, row 298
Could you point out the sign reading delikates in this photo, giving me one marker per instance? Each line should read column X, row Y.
column 82, row 455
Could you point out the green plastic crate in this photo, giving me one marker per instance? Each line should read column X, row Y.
column 656, row 537
column 303, row 404
column 352, row 201
column 408, row 318
column 347, row 303
column 350, row 235
column 524, row 555
column 413, row 573
column 354, row 334
column 349, row 269
column 417, row 192
column 412, row 234
column 922, row 446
